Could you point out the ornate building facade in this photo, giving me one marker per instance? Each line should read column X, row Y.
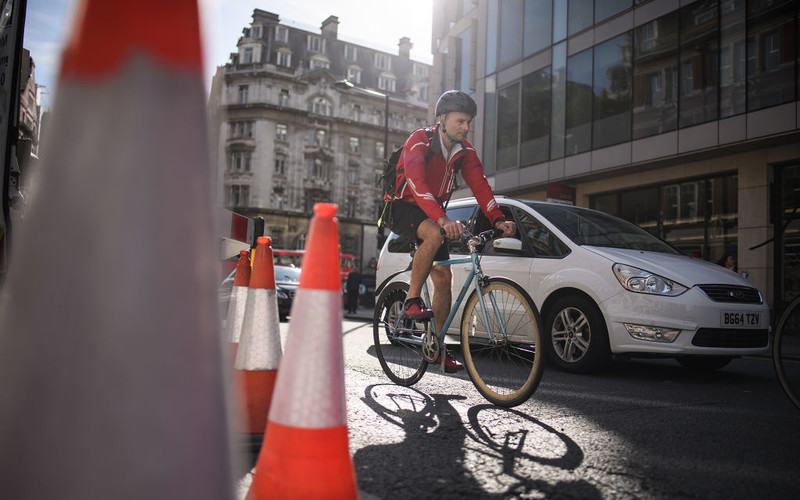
column 287, row 136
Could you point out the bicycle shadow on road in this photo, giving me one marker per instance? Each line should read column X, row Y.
column 491, row 455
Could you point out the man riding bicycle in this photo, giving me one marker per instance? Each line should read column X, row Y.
column 424, row 185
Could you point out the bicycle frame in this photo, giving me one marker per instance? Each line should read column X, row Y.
column 474, row 276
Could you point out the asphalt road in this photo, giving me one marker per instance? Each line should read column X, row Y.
column 640, row 429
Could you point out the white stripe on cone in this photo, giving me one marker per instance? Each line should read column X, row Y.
column 235, row 317
column 309, row 390
column 260, row 343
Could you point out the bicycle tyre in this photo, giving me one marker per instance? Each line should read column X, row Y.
column 506, row 372
column 400, row 358
column 786, row 351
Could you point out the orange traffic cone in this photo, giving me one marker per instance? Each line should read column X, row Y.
column 236, row 307
column 305, row 452
column 110, row 349
column 259, row 352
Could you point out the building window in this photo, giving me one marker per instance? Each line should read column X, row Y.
column 354, row 74
column 700, row 217
column 354, row 145
column 284, row 58
column 603, row 9
column 579, row 103
column 535, row 130
column 350, row 53
column 771, row 45
column 316, row 44
column 248, row 55
column 318, row 137
column 507, row 126
column 380, row 150
column 356, row 112
column 280, row 164
column 464, row 61
column 580, row 15
column 282, row 34
column 387, row 83
column 612, row 92
column 538, row 16
column 320, row 106
column 278, row 197
column 319, row 62
column 352, row 203
column 256, row 31
column 237, row 195
column 383, row 62
column 352, row 175
column 655, row 77
column 732, row 59
column 317, row 169
column 510, row 31
column 699, row 64
column 243, row 91
column 421, row 70
column 239, row 161
column 283, row 98
column 281, row 132
column 559, row 96
column 424, row 93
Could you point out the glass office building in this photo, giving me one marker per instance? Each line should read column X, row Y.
column 681, row 116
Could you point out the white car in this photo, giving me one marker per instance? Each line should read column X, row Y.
column 606, row 287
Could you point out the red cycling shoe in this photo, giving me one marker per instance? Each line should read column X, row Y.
column 415, row 309
column 451, row 364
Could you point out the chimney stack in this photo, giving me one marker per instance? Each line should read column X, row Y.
column 405, row 47
column 330, row 27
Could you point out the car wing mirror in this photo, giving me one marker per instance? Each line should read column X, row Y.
column 508, row 246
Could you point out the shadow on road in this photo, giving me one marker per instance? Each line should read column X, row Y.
column 493, row 455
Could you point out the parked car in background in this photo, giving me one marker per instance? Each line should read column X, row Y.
column 287, row 279
column 605, row 287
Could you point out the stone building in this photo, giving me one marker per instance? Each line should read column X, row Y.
column 286, row 136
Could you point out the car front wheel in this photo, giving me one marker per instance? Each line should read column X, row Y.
column 577, row 337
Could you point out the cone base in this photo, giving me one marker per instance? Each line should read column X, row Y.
column 257, row 388
column 288, row 456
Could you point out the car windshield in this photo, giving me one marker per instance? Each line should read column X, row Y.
column 284, row 274
column 590, row 227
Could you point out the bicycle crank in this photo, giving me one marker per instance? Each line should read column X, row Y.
column 430, row 347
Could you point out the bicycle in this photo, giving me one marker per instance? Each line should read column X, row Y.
column 786, row 350
column 500, row 338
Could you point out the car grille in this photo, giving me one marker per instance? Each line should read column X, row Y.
column 724, row 337
column 732, row 294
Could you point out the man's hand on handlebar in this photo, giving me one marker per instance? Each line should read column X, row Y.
column 507, row 227
column 452, row 229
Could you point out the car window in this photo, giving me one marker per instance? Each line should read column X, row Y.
column 590, row 227
column 285, row 274
column 482, row 224
column 538, row 237
column 463, row 214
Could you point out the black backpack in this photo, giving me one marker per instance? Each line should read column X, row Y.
column 388, row 180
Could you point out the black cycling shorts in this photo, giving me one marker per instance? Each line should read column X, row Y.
column 406, row 219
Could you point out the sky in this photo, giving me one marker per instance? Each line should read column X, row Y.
column 377, row 24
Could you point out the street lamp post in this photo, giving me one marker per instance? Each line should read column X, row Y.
column 348, row 85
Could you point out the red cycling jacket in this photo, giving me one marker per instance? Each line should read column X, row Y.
column 429, row 187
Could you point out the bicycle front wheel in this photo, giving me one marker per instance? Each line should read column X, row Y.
column 504, row 357
column 786, row 351
column 398, row 346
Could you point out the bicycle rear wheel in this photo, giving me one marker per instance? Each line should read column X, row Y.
column 398, row 349
column 786, row 351
column 506, row 369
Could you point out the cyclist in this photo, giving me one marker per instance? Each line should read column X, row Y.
column 425, row 183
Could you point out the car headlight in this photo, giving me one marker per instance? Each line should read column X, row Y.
column 640, row 281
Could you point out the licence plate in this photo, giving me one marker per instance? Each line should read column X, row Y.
column 738, row 319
